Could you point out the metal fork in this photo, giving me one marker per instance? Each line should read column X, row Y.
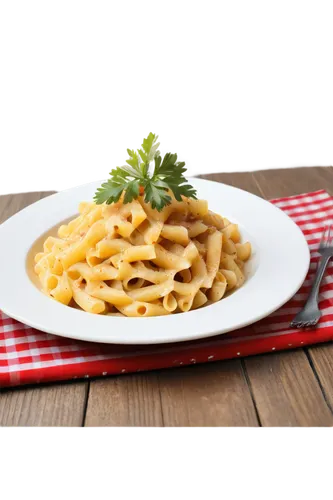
column 310, row 314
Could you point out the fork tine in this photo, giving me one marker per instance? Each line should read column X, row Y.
column 325, row 236
column 328, row 235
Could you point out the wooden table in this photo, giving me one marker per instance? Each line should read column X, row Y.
column 290, row 388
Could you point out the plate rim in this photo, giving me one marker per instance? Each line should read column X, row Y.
column 173, row 338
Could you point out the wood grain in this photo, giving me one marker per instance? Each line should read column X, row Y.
column 12, row 203
column 126, row 400
column 296, row 181
column 326, row 172
column 210, row 395
column 285, row 182
column 54, row 405
column 286, row 390
column 271, row 183
column 321, row 357
column 241, row 180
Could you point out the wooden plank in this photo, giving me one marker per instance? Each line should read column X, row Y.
column 242, row 180
column 124, row 401
column 12, row 203
column 299, row 181
column 326, row 172
column 192, row 396
column 207, row 395
column 321, row 357
column 285, row 182
column 59, row 404
column 286, row 391
column 215, row 394
column 54, row 405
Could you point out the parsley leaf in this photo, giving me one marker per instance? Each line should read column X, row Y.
column 167, row 176
column 132, row 191
column 156, row 194
column 108, row 193
column 149, row 148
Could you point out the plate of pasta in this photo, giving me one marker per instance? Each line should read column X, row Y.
column 144, row 259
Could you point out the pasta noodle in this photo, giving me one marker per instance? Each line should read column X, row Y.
column 185, row 275
column 199, row 300
column 219, row 287
column 131, row 260
column 231, row 278
column 169, row 302
column 214, row 248
column 178, row 234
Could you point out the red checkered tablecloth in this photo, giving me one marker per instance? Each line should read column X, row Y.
column 31, row 356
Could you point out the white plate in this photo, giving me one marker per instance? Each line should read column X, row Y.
column 275, row 272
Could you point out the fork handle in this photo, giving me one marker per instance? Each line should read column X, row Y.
column 313, row 297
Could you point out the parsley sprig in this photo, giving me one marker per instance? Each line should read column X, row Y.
column 167, row 176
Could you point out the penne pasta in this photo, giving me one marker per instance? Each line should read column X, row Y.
column 134, row 253
column 128, row 259
column 133, row 283
column 107, row 248
column 50, row 242
column 92, row 259
column 198, row 208
column 169, row 260
column 177, row 234
column 231, row 231
column 118, row 225
column 63, row 291
column 39, row 256
column 169, row 302
column 214, row 248
column 77, row 252
column 228, row 263
column 231, row 278
column 240, row 263
column 87, row 302
column 109, row 294
column 202, row 249
column 175, row 248
column 85, row 207
column 229, row 246
column 185, row 275
column 139, row 270
column 48, row 261
column 104, row 271
column 243, row 251
column 185, row 303
column 212, row 219
column 49, row 281
column 191, row 252
column 134, row 212
column 66, row 230
column 150, row 230
column 86, row 222
column 154, row 214
column 152, row 292
column 137, row 238
column 199, row 300
column 143, row 309
column 218, row 289
column 199, row 275
column 196, row 228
